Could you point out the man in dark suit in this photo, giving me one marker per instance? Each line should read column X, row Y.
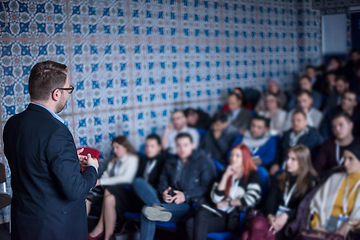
column 238, row 116
column 48, row 185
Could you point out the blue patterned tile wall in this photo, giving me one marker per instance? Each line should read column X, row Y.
column 133, row 62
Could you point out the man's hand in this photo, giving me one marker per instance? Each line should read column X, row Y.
column 167, row 198
column 82, row 158
column 92, row 161
column 97, row 183
column 344, row 230
column 179, row 197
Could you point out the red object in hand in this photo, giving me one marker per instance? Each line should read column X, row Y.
column 92, row 151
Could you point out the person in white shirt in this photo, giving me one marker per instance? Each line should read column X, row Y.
column 121, row 169
column 274, row 112
column 313, row 116
column 178, row 125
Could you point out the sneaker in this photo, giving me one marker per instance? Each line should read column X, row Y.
column 156, row 213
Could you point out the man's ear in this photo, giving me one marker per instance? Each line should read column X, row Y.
column 55, row 95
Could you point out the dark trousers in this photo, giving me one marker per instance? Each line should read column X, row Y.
column 205, row 221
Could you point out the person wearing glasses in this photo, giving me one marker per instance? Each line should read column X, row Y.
column 48, row 186
column 178, row 125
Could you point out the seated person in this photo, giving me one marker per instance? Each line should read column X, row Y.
column 218, row 139
column 273, row 88
column 316, row 81
column 305, row 102
column 305, row 84
column 351, row 63
column 336, row 205
column 355, row 81
column 178, row 125
column 238, row 116
column 328, row 86
column 197, row 118
column 239, row 186
column 330, row 154
column 289, row 188
column 274, row 113
column 186, row 176
column 334, row 99
column 300, row 133
column 349, row 104
column 120, row 170
column 238, row 91
column 260, row 142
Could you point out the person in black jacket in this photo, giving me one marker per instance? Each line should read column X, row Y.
column 48, row 186
column 197, row 118
column 300, row 133
column 218, row 139
column 186, row 176
column 290, row 187
column 239, row 188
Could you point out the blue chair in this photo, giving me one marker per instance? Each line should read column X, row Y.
column 219, row 166
column 202, row 132
column 264, row 179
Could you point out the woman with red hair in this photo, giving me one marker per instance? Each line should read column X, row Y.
column 239, row 188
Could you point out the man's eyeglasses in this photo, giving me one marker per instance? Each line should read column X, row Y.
column 70, row 89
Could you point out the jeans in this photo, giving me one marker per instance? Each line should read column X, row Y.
column 150, row 196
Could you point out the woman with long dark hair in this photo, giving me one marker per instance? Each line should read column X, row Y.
column 120, row 170
column 239, row 187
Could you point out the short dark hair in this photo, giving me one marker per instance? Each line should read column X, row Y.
column 261, row 118
column 190, row 112
column 305, row 77
column 331, row 72
column 299, row 111
column 341, row 114
column 154, row 136
column 310, row 66
column 219, row 116
column 238, row 97
column 44, row 78
column 184, row 135
column 354, row 50
column 241, row 91
column 341, row 78
column 351, row 92
column 304, row 92
column 177, row 110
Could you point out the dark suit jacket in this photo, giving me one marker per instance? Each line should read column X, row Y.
column 242, row 120
column 154, row 175
column 48, row 188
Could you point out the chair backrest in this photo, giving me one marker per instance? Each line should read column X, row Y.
column 94, row 152
column 2, row 173
column 202, row 132
column 264, row 178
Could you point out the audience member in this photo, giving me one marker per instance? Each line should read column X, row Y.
column 349, row 104
column 305, row 84
column 178, row 125
column 273, row 87
column 218, row 139
column 197, row 118
column 286, row 193
column 355, row 81
column 240, row 186
column 274, row 113
column 331, row 151
column 238, row 116
column 328, row 86
column 120, row 170
column 350, row 66
column 305, row 102
column 260, row 142
column 238, row 91
column 186, row 176
column 300, row 133
column 334, row 65
column 316, row 81
column 336, row 205
column 334, row 99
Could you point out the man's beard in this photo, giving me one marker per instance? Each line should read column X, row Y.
column 60, row 106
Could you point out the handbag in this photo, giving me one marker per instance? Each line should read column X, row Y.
column 319, row 235
column 257, row 228
column 95, row 195
column 126, row 234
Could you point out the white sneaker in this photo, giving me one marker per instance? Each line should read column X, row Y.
column 156, row 213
